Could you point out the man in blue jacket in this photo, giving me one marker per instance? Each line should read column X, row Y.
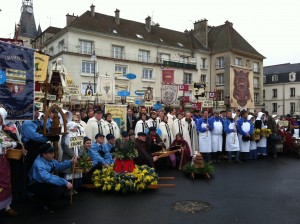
column 99, row 153
column 43, row 183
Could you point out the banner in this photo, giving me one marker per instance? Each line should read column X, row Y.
column 17, row 81
column 241, row 88
column 41, row 67
column 167, row 76
column 184, row 87
column 199, row 90
column 168, row 94
column 119, row 115
column 107, row 89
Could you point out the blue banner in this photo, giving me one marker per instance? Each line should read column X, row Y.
column 17, row 72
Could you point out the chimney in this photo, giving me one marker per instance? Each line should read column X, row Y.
column 70, row 18
column 148, row 24
column 93, row 10
column 229, row 23
column 117, row 16
column 201, row 31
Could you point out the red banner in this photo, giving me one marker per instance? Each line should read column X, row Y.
column 167, row 76
column 197, row 106
column 185, row 99
column 184, row 87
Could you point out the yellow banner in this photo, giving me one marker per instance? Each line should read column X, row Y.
column 41, row 66
column 119, row 114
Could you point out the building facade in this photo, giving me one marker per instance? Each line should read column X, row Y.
column 280, row 91
column 121, row 46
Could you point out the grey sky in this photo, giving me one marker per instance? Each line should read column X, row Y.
column 271, row 28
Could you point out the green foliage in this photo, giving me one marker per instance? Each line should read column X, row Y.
column 125, row 150
column 208, row 168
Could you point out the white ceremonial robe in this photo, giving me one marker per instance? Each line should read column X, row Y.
column 152, row 123
column 217, row 137
column 111, row 128
column 232, row 141
column 141, row 126
column 263, row 140
column 204, row 140
column 94, row 127
column 180, row 126
column 194, row 141
column 171, row 119
column 244, row 146
column 166, row 134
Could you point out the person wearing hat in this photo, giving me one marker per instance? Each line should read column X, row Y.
column 196, row 115
column 232, row 142
column 216, row 136
column 131, row 135
column 95, row 125
column 245, row 129
column 8, row 186
column 260, row 123
column 122, row 143
column 99, row 154
column 43, row 183
column 111, row 143
column 154, row 141
column 110, row 126
column 144, row 157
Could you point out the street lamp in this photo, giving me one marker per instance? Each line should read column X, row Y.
column 94, row 57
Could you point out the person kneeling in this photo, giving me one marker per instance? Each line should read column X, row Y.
column 43, row 183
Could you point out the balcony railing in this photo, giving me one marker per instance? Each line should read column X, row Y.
column 124, row 56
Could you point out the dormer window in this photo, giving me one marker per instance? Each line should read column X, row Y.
column 292, row 76
column 274, row 78
column 180, row 44
column 139, row 36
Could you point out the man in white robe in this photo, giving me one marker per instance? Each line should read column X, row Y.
column 95, row 125
column 192, row 130
column 110, row 126
column 141, row 125
column 171, row 117
column 180, row 126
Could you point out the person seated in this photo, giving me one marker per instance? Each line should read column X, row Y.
column 183, row 155
column 43, row 183
column 144, row 157
column 111, row 143
column 131, row 135
column 100, row 155
column 122, row 143
column 154, row 141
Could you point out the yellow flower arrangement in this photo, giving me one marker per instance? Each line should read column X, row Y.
column 136, row 181
column 265, row 132
column 257, row 131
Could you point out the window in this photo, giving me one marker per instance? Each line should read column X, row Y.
column 87, row 67
column 144, row 56
column 51, row 51
column 247, row 63
column 264, row 79
column 292, row 92
column 164, row 57
column 203, row 78
column 292, row 76
column 221, row 95
column 220, row 62
column 121, row 69
column 147, row 73
column 220, row 79
column 255, row 67
column 86, row 47
column 274, row 105
column 183, row 59
column 274, row 91
column 292, row 107
column 256, row 82
column 117, row 51
column 238, row 61
column 264, row 94
column 61, row 45
column 187, row 78
column 274, row 78
column 256, row 97
column 203, row 63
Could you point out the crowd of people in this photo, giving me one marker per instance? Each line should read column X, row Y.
column 226, row 135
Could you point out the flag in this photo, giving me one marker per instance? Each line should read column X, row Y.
column 41, row 67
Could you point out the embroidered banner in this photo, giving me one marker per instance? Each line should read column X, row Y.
column 241, row 88
column 167, row 76
column 17, row 85
column 119, row 114
column 168, row 94
column 107, row 89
